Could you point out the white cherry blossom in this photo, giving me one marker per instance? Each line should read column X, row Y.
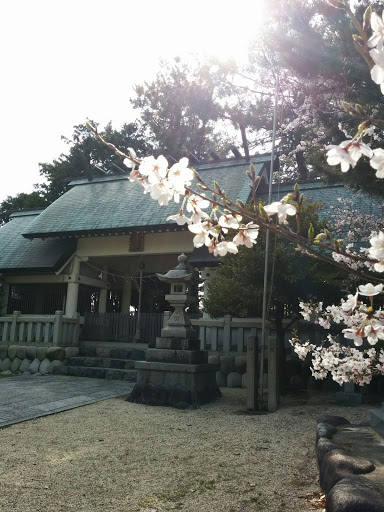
column 370, row 290
column 161, row 192
column 352, row 334
column 377, row 37
column 229, row 221
column 196, row 203
column 180, row 219
column 377, row 162
column 156, row 168
column 377, row 251
column 281, row 209
column 340, row 155
column 377, row 72
column 201, row 234
column 374, row 331
column 351, row 303
column 180, row 175
column 247, row 236
column 223, row 247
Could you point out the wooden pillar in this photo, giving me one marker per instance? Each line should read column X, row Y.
column 73, row 289
column 273, row 375
column 58, row 329
column 252, row 374
column 103, row 294
column 126, row 299
column 39, row 301
column 227, row 335
column 4, row 298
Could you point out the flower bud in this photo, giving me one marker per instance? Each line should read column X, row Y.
column 357, row 40
column 311, row 234
column 288, row 197
column 367, row 17
column 319, row 238
column 338, row 245
column 347, row 106
column 217, row 187
column 363, row 126
column 132, row 153
column 359, row 109
column 262, row 212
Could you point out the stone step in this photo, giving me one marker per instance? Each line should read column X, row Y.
column 96, row 373
column 135, row 354
column 102, row 362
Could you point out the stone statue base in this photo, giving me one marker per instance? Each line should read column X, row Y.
column 176, row 374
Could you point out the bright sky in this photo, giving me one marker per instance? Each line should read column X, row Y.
column 63, row 62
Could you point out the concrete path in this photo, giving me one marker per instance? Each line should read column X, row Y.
column 26, row 398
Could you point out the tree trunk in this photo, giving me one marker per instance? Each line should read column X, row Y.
column 280, row 334
column 302, row 169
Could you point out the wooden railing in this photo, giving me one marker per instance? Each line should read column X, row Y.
column 50, row 330
column 229, row 334
column 121, row 327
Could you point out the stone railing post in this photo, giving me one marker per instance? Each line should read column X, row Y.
column 252, row 373
column 227, row 334
column 13, row 333
column 57, row 328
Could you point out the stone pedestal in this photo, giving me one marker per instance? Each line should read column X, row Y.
column 177, row 374
column 376, row 420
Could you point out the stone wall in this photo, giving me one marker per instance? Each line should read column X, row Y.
column 350, row 482
column 232, row 370
column 30, row 360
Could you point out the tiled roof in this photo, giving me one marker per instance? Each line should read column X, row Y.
column 19, row 254
column 115, row 205
column 328, row 195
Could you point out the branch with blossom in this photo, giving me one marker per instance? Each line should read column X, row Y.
column 165, row 184
column 364, row 324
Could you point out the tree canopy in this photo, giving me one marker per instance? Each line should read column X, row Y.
column 198, row 106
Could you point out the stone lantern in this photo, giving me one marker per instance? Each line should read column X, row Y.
column 176, row 373
column 180, row 279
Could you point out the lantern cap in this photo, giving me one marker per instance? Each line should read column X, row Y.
column 181, row 273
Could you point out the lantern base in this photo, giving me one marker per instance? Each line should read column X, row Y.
column 185, row 386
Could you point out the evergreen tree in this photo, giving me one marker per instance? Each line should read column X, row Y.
column 180, row 110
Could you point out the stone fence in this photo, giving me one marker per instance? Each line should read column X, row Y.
column 47, row 330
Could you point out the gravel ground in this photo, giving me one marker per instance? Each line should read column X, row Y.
column 123, row 457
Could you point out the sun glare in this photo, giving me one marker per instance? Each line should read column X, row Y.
column 223, row 30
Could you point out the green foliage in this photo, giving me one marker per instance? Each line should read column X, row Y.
column 20, row 202
column 180, row 109
column 236, row 287
column 319, row 67
column 82, row 145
